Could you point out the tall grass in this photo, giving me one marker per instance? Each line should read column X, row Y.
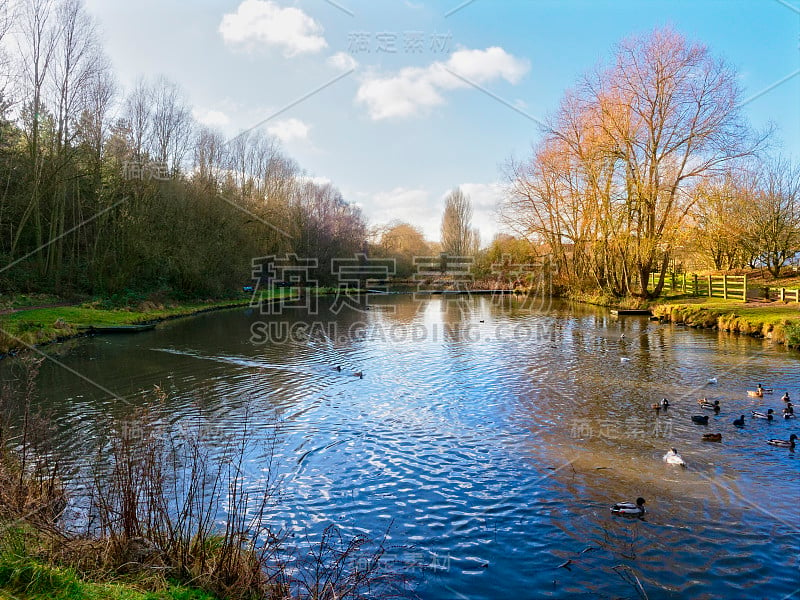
column 31, row 485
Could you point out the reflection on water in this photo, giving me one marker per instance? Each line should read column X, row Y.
column 490, row 439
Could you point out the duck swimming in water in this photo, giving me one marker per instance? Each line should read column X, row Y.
column 783, row 443
column 673, row 458
column 629, row 508
column 664, row 403
column 785, row 397
column 760, row 415
column 709, row 405
column 739, row 422
column 700, row 419
column 712, row 437
column 788, row 411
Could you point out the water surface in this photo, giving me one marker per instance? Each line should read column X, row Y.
column 487, row 437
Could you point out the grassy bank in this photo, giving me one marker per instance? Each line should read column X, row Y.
column 42, row 325
column 774, row 320
column 23, row 576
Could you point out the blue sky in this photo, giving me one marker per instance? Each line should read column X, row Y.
column 396, row 132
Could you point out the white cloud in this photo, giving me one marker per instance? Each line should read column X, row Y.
column 414, row 89
column 263, row 22
column 211, row 118
column 289, row 130
column 486, row 199
column 342, row 61
column 413, row 205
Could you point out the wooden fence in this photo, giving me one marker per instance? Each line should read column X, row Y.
column 729, row 287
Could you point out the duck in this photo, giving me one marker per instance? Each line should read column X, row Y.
column 760, row 415
column 338, row 368
column 712, row 381
column 709, row 405
column 700, row 419
column 712, row 437
column 656, row 407
column 359, row 374
column 673, row 458
column 788, row 411
column 664, row 403
column 785, row 397
column 783, row 443
column 759, row 393
column 739, row 422
column 629, row 508
column 624, row 359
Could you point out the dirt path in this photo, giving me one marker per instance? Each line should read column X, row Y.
column 8, row 311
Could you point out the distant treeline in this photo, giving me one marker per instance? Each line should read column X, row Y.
column 102, row 192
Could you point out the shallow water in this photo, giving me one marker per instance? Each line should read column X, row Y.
column 491, row 450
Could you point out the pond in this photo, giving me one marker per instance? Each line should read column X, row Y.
column 489, row 438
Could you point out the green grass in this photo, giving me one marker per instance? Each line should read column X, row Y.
column 776, row 321
column 24, row 576
column 43, row 325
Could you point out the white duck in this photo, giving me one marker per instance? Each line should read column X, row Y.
column 673, row 458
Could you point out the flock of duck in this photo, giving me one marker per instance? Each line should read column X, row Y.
column 673, row 458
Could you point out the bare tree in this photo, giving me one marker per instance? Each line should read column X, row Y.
column 138, row 110
column 402, row 242
column 458, row 236
column 37, row 44
column 171, row 124
column 772, row 213
column 609, row 186
column 6, row 9
column 209, row 156
column 718, row 225
column 77, row 63
column 77, row 60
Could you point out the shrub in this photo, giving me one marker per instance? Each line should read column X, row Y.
column 792, row 331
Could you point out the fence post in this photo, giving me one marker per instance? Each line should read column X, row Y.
column 725, row 286
column 783, row 294
column 695, row 291
column 709, row 286
column 744, row 288
column 684, row 282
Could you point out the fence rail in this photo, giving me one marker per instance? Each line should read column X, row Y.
column 733, row 287
column 729, row 287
